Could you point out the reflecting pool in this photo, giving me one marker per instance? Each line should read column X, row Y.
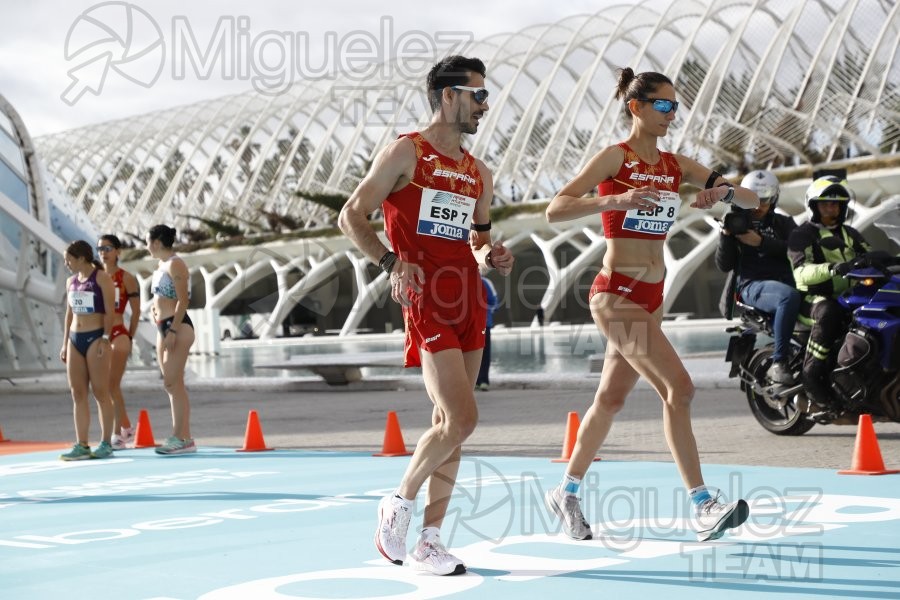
column 550, row 349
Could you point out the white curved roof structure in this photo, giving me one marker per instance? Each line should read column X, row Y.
column 37, row 221
column 763, row 83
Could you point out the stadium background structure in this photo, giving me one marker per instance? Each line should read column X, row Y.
column 791, row 86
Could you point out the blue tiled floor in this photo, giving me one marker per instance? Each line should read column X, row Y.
column 293, row 524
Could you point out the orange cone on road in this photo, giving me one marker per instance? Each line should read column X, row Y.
column 572, row 425
column 253, row 437
column 866, row 454
column 143, row 435
column 393, row 438
column 2, row 439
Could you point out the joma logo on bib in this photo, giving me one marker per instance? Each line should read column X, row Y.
column 445, row 231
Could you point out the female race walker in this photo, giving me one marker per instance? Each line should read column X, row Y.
column 126, row 294
column 85, row 349
column 170, row 287
column 638, row 201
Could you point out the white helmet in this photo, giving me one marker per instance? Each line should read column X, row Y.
column 764, row 184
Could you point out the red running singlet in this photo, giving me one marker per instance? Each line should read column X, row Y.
column 653, row 224
column 428, row 224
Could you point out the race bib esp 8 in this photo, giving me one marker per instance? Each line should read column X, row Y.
column 445, row 214
column 656, row 220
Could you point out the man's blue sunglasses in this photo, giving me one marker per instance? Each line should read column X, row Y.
column 479, row 94
column 661, row 104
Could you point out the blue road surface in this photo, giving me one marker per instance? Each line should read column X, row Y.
column 296, row 524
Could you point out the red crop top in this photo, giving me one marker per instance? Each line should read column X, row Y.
column 665, row 176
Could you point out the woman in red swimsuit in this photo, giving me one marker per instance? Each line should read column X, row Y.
column 638, row 199
column 126, row 295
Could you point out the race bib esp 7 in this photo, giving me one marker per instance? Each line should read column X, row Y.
column 656, row 220
column 445, row 214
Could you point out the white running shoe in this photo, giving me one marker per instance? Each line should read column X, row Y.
column 123, row 440
column 393, row 523
column 713, row 518
column 567, row 508
column 431, row 556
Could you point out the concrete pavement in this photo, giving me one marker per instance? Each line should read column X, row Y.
column 522, row 415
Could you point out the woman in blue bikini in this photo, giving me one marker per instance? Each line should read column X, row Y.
column 171, row 295
column 86, row 350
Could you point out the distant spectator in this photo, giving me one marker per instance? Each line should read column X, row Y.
column 490, row 295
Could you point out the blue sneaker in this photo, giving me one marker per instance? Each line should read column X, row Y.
column 78, row 452
column 104, row 450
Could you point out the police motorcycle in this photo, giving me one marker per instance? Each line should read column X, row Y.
column 866, row 378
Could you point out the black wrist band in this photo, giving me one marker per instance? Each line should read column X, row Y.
column 712, row 179
column 481, row 226
column 387, row 261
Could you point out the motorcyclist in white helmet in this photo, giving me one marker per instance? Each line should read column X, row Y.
column 754, row 244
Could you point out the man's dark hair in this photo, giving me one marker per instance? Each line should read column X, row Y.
column 453, row 70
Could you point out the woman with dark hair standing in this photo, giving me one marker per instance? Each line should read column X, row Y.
column 86, row 350
column 638, row 200
column 171, row 289
column 126, row 294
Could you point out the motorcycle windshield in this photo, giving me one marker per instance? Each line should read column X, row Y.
column 890, row 224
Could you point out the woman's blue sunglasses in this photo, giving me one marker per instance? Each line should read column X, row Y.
column 661, row 104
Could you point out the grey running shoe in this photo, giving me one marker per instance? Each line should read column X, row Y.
column 713, row 518
column 174, row 446
column 393, row 523
column 431, row 556
column 567, row 508
column 780, row 373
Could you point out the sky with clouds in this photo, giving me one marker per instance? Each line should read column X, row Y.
column 65, row 64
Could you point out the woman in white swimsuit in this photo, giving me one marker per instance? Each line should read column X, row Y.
column 171, row 295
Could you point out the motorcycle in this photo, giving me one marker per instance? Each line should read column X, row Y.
column 866, row 378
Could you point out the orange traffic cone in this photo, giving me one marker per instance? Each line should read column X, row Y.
column 866, row 454
column 572, row 426
column 2, row 439
column 143, row 435
column 253, row 437
column 393, row 438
